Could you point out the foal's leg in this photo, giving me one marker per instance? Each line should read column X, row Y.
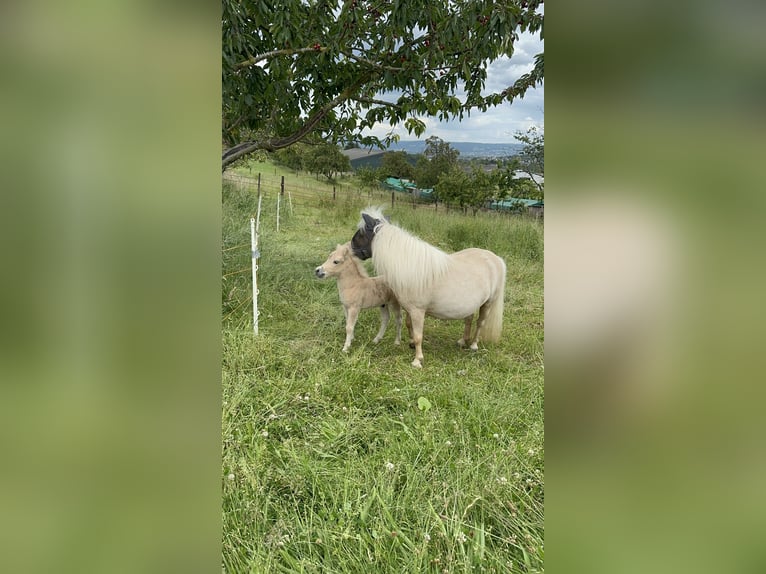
column 384, row 316
column 466, row 332
column 417, row 316
column 398, row 316
column 408, row 322
column 351, row 316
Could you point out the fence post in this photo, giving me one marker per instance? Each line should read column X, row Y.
column 392, row 200
column 333, row 193
column 255, row 254
column 278, row 198
column 259, row 184
column 282, row 187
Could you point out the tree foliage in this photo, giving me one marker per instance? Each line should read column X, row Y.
column 331, row 68
column 452, row 186
column 483, row 188
column 326, row 159
column 438, row 158
column 532, row 155
column 472, row 189
column 511, row 184
column 292, row 157
column 396, row 164
column 369, row 178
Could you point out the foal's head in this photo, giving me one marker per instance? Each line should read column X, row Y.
column 361, row 242
column 335, row 262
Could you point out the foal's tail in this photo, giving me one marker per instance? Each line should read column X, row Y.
column 493, row 323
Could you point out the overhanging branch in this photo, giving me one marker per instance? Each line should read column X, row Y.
column 272, row 144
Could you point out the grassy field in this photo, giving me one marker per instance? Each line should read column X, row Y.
column 360, row 463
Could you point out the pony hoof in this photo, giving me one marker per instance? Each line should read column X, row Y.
column 376, row 341
column 397, row 343
column 417, row 364
column 345, row 349
column 474, row 347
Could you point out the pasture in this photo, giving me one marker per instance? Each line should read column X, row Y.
column 357, row 462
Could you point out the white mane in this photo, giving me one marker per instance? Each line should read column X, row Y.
column 409, row 265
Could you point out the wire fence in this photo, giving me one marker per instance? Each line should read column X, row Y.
column 300, row 193
column 296, row 192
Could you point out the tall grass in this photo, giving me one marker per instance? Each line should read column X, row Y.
column 350, row 463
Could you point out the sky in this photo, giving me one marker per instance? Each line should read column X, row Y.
column 498, row 124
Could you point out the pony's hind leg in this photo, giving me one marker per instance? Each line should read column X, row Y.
column 480, row 320
column 351, row 316
column 408, row 323
column 384, row 317
column 466, row 331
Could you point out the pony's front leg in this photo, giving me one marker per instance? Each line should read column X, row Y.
column 417, row 317
column 384, row 316
column 466, row 332
column 351, row 316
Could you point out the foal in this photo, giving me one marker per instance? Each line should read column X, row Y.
column 359, row 291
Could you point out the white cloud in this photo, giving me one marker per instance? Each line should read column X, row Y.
column 496, row 125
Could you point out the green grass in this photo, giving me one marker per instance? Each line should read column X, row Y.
column 329, row 464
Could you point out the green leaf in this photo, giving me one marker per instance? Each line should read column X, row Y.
column 424, row 404
column 415, row 125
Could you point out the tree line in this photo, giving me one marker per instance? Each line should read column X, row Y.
column 467, row 184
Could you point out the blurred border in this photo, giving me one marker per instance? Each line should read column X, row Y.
column 110, row 353
column 655, row 202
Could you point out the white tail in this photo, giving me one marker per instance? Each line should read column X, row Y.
column 493, row 323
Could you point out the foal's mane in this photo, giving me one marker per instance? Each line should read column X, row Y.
column 409, row 264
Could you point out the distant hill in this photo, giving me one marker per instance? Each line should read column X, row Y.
column 365, row 157
column 466, row 149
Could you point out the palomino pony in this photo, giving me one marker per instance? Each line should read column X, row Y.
column 428, row 281
column 359, row 291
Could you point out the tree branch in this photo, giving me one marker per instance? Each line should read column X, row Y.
column 275, row 53
column 374, row 101
column 372, row 64
column 532, row 177
column 272, row 144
